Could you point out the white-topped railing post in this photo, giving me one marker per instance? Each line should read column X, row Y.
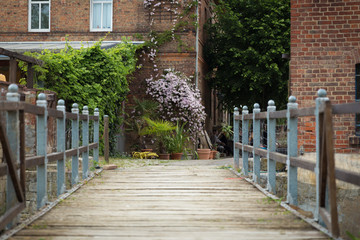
column 319, row 100
column 256, row 144
column 245, row 140
column 75, row 145
column 292, row 151
column 271, row 147
column 41, row 145
column 60, row 139
column 96, row 135
column 236, row 138
column 85, row 141
column 13, row 136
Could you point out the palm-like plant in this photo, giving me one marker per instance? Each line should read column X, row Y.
column 160, row 129
column 178, row 140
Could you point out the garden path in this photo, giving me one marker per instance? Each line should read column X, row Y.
column 180, row 200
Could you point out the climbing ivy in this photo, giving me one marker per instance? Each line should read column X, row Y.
column 89, row 76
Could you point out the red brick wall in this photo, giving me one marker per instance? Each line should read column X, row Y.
column 325, row 38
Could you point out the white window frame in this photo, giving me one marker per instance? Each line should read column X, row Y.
column 29, row 16
column 91, row 16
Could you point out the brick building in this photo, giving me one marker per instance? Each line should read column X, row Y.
column 325, row 53
column 41, row 24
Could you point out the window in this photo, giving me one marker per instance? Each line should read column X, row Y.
column 357, row 97
column 39, row 16
column 101, row 15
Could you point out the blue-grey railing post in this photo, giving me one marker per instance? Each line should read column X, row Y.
column 96, row 135
column 319, row 100
column 236, row 138
column 41, row 145
column 256, row 144
column 271, row 147
column 60, row 139
column 12, row 132
column 292, row 151
column 245, row 140
column 85, row 141
column 75, row 145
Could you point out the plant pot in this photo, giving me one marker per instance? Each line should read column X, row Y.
column 203, row 154
column 164, row 156
column 146, row 150
column 176, row 156
column 213, row 154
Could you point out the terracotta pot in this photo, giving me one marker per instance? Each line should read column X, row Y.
column 213, row 154
column 176, row 156
column 164, row 156
column 146, row 150
column 203, row 154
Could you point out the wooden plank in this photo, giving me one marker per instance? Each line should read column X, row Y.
column 52, row 157
column 302, row 163
column 55, row 113
column 96, row 118
column 302, row 112
column 238, row 117
column 248, row 117
column 93, row 145
column 83, row 117
column 33, row 109
column 11, row 214
column 278, row 157
column 34, row 161
column 261, row 152
column 278, row 114
column 347, row 176
column 71, row 152
column 22, row 152
column 71, row 116
column 30, row 76
column 261, row 115
column 12, row 70
column 169, row 202
column 346, row 108
column 3, row 169
column 21, row 57
column 10, row 106
column 83, row 149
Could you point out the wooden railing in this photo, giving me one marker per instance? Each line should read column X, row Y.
column 12, row 136
column 324, row 167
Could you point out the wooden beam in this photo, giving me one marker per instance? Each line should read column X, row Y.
column 30, row 76
column 21, row 57
column 12, row 70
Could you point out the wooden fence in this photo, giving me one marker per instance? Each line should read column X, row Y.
column 12, row 136
column 324, row 167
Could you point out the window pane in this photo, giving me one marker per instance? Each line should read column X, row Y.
column 107, row 15
column 97, row 15
column 44, row 16
column 34, row 16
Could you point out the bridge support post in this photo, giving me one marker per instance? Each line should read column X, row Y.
column 292, row 149
column 236, row 138
column 12, row 133
column 245, row 141
column 319, row 100
column 60, row 140
column 271, row 147
column 85, row 142
column 256, row 144
column 96, row 135
column 41, row 145
column 75, row 144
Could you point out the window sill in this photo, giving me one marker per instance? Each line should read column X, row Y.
column 39, row 31
column 354, row 141
column 100, row 30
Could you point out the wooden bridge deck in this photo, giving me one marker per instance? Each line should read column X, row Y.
column 169, row 202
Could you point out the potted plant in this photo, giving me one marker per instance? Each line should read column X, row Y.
column 178, row 141
column 161, row 130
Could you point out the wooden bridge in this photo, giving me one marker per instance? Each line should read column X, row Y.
column 169, row 202
column 194, row 200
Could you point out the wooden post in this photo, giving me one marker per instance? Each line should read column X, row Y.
column 245, row 141
column 271, row 147
column 12, row 132
column 96, row 135
column 85, row 142
column 60, row 139
column 30, row 76
column 319, row 100
column 106, row 137
column 12, row 70
column 292, row 148
column 256, row 144
column 236, row 138
column 41, row 144
column 75, row 145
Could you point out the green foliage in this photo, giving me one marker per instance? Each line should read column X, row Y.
column 226, row 130
column 246, row 41
column 89, row 76
column 159, row 129
column 353, row 237
column 178, row 140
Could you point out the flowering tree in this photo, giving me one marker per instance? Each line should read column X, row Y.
column 179, row 100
